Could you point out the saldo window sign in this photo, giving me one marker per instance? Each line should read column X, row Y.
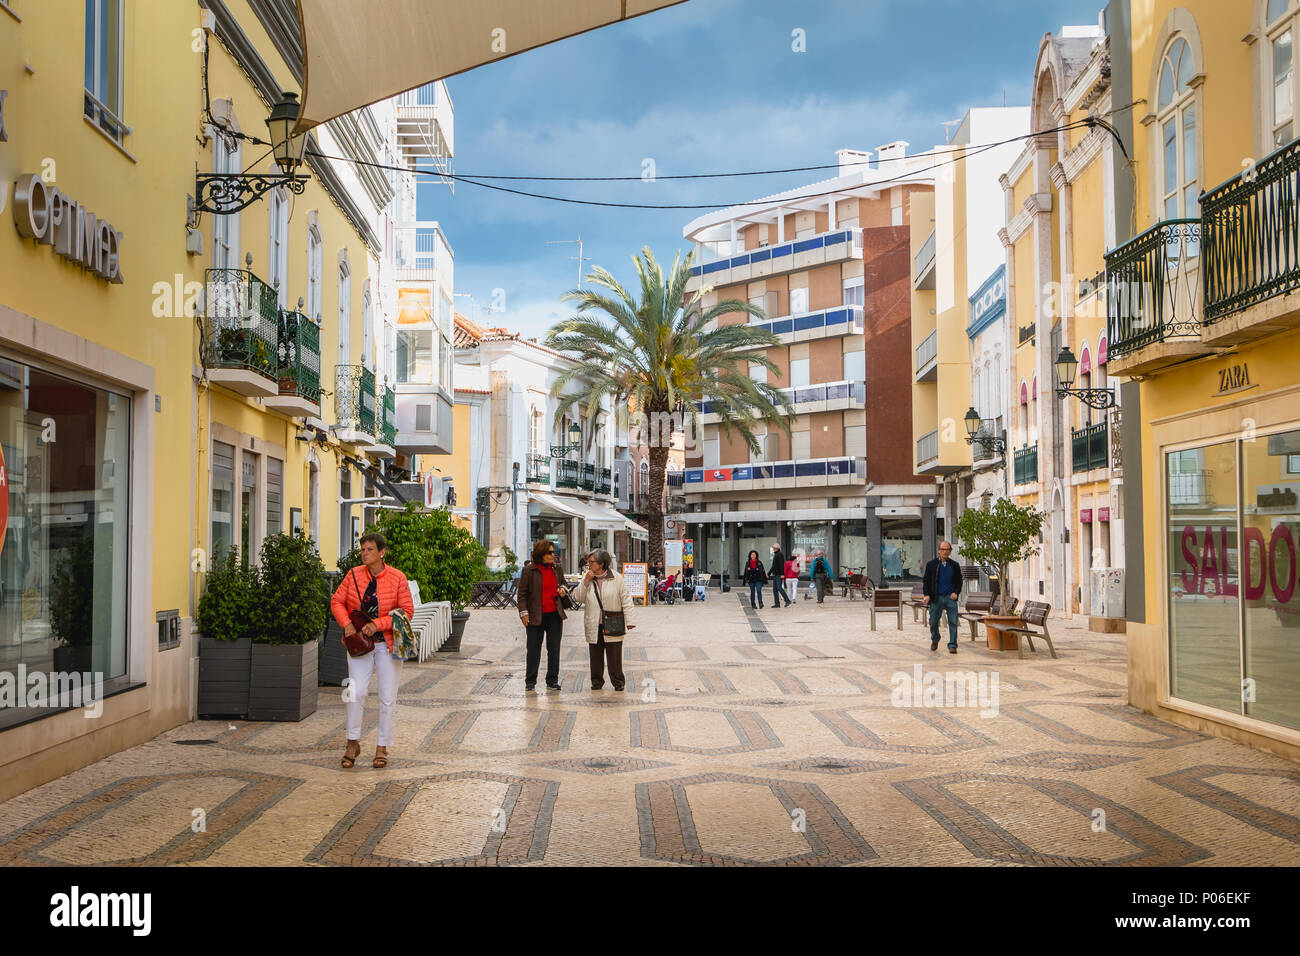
column 226, row 193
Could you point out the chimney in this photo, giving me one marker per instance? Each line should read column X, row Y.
column 853, row 161
column 890, row 151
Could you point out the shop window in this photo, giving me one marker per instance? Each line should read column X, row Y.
column 223, row 498
column 105, row 67
column 248, row 539
column 852, row 551
column 274, row 495
column 901, row 549
column 64, row 557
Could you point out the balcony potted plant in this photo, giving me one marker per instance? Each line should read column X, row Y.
column 72, row 601
column 999, row 536
column 226, row 621
column 293, row 598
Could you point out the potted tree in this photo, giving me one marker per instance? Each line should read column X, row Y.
column 72, row 602
column 999, row 536
column 443, row 559
column 293, row 598
column 226, row 620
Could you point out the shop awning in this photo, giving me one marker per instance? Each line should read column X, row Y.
column 558, row 504
column 597, row 517
column 355, row 54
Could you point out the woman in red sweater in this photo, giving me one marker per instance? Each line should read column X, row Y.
column 376, row 590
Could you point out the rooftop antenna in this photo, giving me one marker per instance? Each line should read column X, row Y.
column 947, row 130
column 580, row 257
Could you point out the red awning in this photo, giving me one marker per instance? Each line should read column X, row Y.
column 1085, row 362
column 1101, row 350
column 1035, row 391
column 1024, row 392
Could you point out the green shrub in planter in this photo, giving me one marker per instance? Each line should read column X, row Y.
column 229, row 609
column 444, row 560
column 293, row 592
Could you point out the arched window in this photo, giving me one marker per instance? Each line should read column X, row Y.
column 1176, row 126
column 645, row 478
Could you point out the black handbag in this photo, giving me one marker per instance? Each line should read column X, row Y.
column 612, row 623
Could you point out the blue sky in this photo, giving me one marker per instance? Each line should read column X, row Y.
column 706, row 86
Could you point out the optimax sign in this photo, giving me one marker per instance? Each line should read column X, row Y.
column 53, row 218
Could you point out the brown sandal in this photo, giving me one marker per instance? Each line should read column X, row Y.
column 381, row 759
column 350, row 754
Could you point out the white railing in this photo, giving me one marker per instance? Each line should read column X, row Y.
column 928, row 350
column 421, row 251
column 927, row 448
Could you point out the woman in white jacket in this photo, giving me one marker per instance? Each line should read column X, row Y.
column 602, row 579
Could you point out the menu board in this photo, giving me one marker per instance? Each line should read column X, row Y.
column 634, row 575
column 672, row 557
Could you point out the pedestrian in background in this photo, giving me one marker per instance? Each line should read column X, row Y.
column 755, row 577
column 823, row 575
column 542, row 590
column 603, row 589
column 777, row 574
column 942, row 586
column 792, row 576
column 376, row 591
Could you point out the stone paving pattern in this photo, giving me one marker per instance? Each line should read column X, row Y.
column 770, row 739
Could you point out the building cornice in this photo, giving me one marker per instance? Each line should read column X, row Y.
column 1021, row 164
column 1090, row 85
column 1084, row 152
column 1038, row 203
column 1019, row 224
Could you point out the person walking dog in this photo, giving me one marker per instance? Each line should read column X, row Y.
column 777, row 574
column 755, row 577
column 823, row 575
column 942, row 585
column 542, row 590
column 606, row 610
column 379, row 594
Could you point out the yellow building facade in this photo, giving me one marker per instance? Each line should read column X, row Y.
column 1205, row 332
column 136, row 439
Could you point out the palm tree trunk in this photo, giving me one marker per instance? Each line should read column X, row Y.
column 658, row 479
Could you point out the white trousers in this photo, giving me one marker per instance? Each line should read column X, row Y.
column 359, row 671
column 792, row 588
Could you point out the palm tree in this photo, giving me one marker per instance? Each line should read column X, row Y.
column 660, row 356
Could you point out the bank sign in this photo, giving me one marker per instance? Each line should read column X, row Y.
column 53, row 218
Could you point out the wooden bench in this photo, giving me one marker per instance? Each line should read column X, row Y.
column 886, row 602
column 917, row 602
column 1033, row 615
column 978, row 604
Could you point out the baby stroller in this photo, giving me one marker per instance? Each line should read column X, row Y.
column 666, row 590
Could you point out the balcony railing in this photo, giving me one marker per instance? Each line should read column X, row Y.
column 539, row 469
column 927, row 448
column 841, row 241
column 1153, row 287
column 421, row 251
column 1189, row 488
column 985, row 451
column 1252, row 234
column 845, row 319
column 928, row 350
column 386, row 401
column 676, row 479
column 827, row 391
column 924, row 257
column 587, row 477
column 298, row 356
column 815, row 468
column 354, row 399
column 604, row 482
column 566, row 473
column 243, row 327
column 1026, row 465
column 1091, row 447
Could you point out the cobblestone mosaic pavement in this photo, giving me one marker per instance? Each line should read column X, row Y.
column 742, row 738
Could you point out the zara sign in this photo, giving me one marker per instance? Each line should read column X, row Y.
column 52, row 218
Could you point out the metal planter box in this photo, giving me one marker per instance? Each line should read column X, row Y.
column 224, row 669
column 332, row 668
column 283, row 682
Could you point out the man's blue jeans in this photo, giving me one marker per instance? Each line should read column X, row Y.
column 937, row 607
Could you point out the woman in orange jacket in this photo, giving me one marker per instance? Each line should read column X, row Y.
column 376, row 590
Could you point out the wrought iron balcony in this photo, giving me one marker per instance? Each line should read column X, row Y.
column 539, row 470
column 1153, row 295
column 1026, row 465
column 242, row 332
column 298, row 363
column 587, row 477
column 387, row 431
column 1252, row 237
column 566, row 473
column 354, row 402
column 1090, row 447
column 604, row 482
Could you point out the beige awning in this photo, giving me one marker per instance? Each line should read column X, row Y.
column 355, row 54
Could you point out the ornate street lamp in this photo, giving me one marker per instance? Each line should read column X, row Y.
column 1066, row 368
column 974, row 424
column 572, row 448
column 226, row 193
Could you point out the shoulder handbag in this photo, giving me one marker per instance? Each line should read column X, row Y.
column 358, row 645
column 611, row 622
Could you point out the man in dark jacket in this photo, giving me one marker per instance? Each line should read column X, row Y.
column 942, row 585
column 777, row 574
